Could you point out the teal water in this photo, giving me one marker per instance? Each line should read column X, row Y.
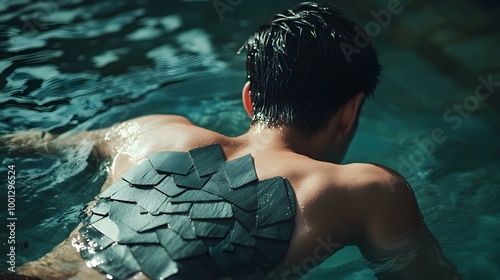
column 72, row 65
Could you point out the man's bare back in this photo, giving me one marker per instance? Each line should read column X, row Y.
column 333, row 199
column 306, row 86
column 337, row 205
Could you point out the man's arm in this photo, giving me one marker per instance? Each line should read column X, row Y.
column 64, row 262
column 397, row 243
column 106, row 142
column 38, row 141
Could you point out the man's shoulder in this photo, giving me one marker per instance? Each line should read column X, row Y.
column 345, row 196
column 389, row 201
column 369, row 196
column 359, row 183
column 370, row 186
column 153, row 129
column 162, row 119
column 377, row 185
column 364, row 177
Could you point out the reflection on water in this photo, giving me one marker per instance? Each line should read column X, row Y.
column 72, row 65
column 46, row 204
column 76, row 65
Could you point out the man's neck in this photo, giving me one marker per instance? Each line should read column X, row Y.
column 285, row 138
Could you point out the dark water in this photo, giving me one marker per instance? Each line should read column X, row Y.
column 80, row 65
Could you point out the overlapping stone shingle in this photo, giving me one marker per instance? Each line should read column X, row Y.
column 207, row 160
column 240, row 171
column 111, row 190
column 183, row 215
column 273, row 202
column 179, row 248
column 215, row 210
column 143, row 175
column 127, row 266
column 169, row 187
column 171, row 162
column 192, row 180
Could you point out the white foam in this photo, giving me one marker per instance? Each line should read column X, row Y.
column 164, row 53
column 171, row 22
column 144, row 33
column 105, row 59
column 39, row 72
column 195, row 40
column 4, row 65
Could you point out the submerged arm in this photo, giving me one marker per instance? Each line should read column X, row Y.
column 106, row 142
column 37, row 141
column 414, row 255
column 397, row 243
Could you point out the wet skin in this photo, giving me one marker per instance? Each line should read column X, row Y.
column 365, row 205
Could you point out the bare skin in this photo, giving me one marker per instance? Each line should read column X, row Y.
column 355, row 204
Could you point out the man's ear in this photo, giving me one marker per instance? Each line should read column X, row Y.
column 247, row 99
column 350, row 112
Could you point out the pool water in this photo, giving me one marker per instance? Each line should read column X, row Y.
column 73, row 65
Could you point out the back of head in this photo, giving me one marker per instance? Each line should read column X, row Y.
column 300, row 68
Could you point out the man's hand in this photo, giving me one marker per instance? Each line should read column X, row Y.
column 27, row 141
column 38, row 141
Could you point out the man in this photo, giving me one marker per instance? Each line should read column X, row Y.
column 304, row 97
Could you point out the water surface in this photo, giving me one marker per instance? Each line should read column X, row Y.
column 73, row 65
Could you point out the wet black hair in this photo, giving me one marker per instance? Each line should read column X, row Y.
column 305, row 64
